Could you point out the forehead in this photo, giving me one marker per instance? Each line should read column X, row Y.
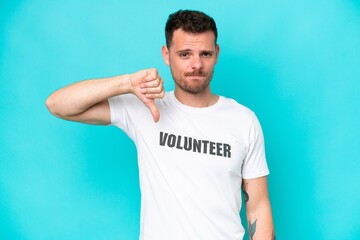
column 182, row 39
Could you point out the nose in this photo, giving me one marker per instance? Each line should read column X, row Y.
column 196, row 63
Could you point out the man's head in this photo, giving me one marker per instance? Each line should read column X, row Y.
column 191, row 50
column 189, row 21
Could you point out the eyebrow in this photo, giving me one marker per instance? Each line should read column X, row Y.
column 189, row 50
column 184, row 50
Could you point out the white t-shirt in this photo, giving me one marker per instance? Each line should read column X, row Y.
column 191, row 165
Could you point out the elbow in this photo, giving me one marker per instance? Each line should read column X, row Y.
column 51, row 106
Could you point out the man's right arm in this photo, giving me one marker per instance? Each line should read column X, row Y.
column 87, row 101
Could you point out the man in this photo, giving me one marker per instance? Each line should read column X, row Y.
column 199, row 150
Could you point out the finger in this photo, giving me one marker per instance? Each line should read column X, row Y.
column 154, row 83
column 152, row 71
column 155, row 95
column 158, row 89
column 151, row 75
column 150, row 91
column 154, row 111
column 149, row 78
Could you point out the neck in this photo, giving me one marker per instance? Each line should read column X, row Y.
column 199, row 100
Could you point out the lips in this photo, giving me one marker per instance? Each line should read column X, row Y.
column 196, row 74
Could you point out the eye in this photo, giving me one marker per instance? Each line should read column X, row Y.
column 184, row 54
column 206, row 54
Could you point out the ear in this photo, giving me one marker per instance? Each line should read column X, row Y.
column 165, row 54
column 217, row 51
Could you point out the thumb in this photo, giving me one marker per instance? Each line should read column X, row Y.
column 154, row 111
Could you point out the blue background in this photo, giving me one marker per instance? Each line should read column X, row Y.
column 296, row 64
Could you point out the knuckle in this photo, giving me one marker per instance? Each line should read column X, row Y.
column 153, row 71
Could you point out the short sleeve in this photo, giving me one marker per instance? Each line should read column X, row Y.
column 123, row 112
column 255, row 164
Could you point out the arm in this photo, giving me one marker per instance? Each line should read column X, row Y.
column 87, row 101
column 258, row 209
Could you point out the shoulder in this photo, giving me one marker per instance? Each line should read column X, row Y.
column 237, row 109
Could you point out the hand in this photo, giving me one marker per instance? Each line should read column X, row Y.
column 148, row 85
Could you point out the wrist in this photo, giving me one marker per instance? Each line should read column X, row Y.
column 123, row 84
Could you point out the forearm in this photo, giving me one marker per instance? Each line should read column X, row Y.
column 78, row 97
column 260, row 222
column 258, row 209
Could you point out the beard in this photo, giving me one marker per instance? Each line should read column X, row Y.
column 193, row 82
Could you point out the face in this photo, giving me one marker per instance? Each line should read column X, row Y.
column 192, row 57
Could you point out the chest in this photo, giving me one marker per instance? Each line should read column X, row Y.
column 204, row 144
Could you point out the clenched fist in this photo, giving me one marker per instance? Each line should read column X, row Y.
column 148, row 85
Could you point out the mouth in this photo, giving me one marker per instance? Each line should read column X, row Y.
column 195, row 75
